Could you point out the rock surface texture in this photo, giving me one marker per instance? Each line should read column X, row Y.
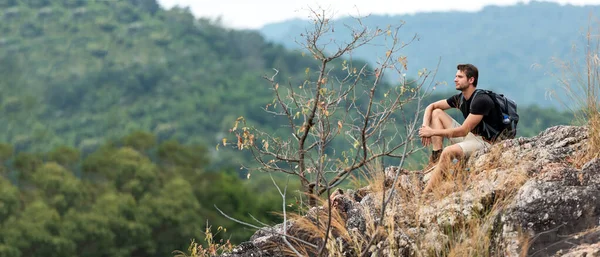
column 524, row 196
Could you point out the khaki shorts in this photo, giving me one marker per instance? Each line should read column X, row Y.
column 469, row 143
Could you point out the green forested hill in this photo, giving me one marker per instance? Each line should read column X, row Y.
column 513, row 46
column 80, row 72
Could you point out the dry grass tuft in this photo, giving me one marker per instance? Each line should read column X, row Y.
column 375, row 178
column 456, row 178
column 592, row 150
column 211, row 247
column 581, row 85
column 313, row 227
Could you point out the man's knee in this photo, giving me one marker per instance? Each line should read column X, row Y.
column 437, row 113
column 445, row 119
column 452, row 151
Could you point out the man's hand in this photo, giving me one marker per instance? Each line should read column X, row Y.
column 426, row 141
column 426, row 132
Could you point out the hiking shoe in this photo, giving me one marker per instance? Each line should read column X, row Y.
column 433, row 160
column 435, row 156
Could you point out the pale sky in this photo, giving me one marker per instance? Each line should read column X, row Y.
column 253, row 14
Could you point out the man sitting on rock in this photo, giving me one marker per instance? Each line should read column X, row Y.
column 466, row 138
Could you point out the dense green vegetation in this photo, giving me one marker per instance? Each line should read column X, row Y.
column 512, row 45
column 82, row 78
column 131, row 197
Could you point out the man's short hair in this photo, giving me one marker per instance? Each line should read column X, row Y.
column 470, row 71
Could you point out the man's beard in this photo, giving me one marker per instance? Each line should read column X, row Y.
column 461, row 87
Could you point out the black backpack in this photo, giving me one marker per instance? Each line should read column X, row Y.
column 509, row 118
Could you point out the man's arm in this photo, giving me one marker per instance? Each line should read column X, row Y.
column 441, row 104
column 470, row 122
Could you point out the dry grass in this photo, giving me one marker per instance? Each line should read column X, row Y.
column 580, row 86
column 592, row 150
column 312, row 228
column 373, row 177
column 455, row 179
column 473, row 235
column 210, row 248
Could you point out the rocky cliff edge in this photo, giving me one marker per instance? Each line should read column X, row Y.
column 523, row 197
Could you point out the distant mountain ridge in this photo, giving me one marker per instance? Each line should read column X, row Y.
column 512, row 46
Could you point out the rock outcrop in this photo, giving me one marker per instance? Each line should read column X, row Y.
column 524, row 196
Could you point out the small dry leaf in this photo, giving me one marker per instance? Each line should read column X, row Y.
column 249, row 137
column 237, row 121
column 240, row 142
column 404, row 62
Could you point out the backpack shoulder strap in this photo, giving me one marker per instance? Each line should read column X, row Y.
column 473, row 97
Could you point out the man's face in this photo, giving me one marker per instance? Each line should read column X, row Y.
column 461, row 80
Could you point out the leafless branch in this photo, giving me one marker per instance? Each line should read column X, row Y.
column 283, row 194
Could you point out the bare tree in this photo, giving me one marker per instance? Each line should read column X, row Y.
column 357, row 111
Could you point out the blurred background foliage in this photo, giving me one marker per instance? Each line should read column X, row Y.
column 123, row 199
